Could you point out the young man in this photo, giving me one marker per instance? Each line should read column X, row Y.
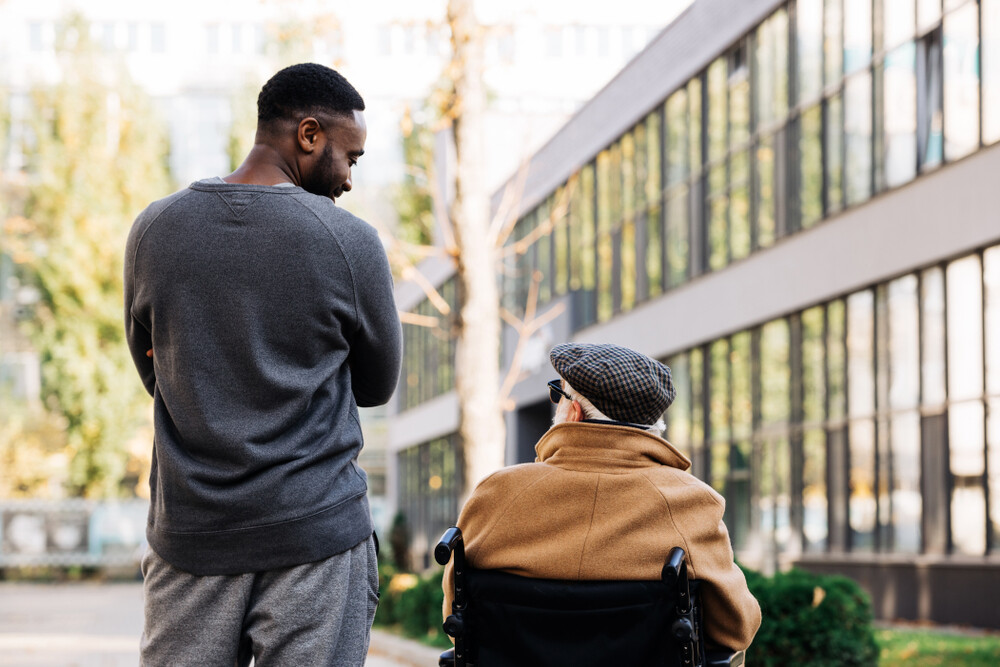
column 260, row 316
column 615, row 494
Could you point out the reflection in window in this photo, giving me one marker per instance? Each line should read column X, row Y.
column 899, row 118
column 814, row 504
column 858, row 136
column 809, row 35
column 932, row 337
column 677, row 235
column 678, row 417
column 836, row 370
column 742, row 406
column 993, row 456
column 834, row 154
column 905, row 495
column 810, row 167
column 860, row 353
column 862, row 505
column 833, row 54
column 719, row 390
column 813, row 375
column 695, row 370
column 772, row 69
column 930, row 105
column 965, row 329
column 605, row 214
column 968, row 500
column 857, row 34
column 991, row 70
column 991, row 281
column 718, row 106
column 694, row 125
column 739, row 205
column 678, row 152
column 961, row 82
column 718, row 218
column 560, row 241
column 774, row 372
column 764, row 193
column 898, row 22
column 775, row 498
column 904, row 350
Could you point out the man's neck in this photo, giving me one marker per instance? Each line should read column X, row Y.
column 264, row 165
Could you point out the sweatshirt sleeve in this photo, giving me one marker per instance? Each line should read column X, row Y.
column 137, row 334
column 376, row 351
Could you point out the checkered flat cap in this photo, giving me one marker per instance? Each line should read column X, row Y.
column 623, row 384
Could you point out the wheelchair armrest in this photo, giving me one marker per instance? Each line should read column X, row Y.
column 447, row 658
column 723, row 658
column 447, row 544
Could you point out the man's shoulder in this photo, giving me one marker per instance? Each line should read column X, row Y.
column 353, row 233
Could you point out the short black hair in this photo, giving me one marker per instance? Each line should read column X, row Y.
column 305, row 89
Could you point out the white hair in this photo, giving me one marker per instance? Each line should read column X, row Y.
column 591, row 412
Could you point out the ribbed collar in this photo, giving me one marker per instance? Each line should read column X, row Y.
column 606, row 448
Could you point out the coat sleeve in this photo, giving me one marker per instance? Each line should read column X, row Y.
column 732, row 614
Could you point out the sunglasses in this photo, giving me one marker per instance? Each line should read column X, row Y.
column 556, row 393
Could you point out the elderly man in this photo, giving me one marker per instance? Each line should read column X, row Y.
column 608, row 497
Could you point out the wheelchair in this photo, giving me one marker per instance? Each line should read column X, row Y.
column 500, row 619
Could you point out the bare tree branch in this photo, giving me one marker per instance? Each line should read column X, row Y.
column 428, row 321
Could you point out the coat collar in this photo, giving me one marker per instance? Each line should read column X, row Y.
column 585, row 445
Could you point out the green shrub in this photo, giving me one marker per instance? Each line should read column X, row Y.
column 385, row 613
column 413, row 603
column 811, row 619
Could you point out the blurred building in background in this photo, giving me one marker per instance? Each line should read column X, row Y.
column 203, row 64
column 794, row 205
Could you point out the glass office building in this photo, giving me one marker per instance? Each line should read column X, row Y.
column 794, row 205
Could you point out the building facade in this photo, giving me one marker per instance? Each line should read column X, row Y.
column 793, row 204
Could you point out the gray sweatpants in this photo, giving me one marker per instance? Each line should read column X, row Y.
column 314, row 614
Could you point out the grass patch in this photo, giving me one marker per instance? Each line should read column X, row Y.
column 933, row 648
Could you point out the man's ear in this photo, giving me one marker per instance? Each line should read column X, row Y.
column 308, row 134
column 575, row 412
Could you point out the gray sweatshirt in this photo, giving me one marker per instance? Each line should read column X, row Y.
column 270, row 312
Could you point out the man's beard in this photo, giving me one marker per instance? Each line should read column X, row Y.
column 320, row 181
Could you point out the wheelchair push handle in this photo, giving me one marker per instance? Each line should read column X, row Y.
column 674, row 568
column 451, row 539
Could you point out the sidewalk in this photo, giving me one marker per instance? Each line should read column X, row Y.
column 389, row 650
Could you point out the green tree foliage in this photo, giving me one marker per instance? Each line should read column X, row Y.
column 413, row 198
column 95, row 157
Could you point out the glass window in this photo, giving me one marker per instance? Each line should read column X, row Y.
column 813, row 371
column 739, row 97
column 966, row 449
column 629, row 266
column 605, row 214
column 991, row 70
column 543, row 251
column 993, row 435
column 814, row 504
column 899, row 22
column 653, row 183
column 694, row 125
column 810, row 167
column 718, row 105
column 696, row 373
column 899, row 116
column 965, row 329
column 678, row 417
column 678, row 152
column 862, row 509
column 932, row 337
column 860, row 353
column 719, row 392
column 764, row 192
column 857, row 34
column 774, row 373
column 742, row 406
column 654, row 252
column 928, row 13
column 739, row 205
column 560, row 240
column 991, row 281
column 904, row 344
column 961, row 82
column 833, row 154
column 930, row 102
column 858, row 136
column 833, row 37
column 772, row 69
column 718, row 218
column 677, row 232
column 836, row 369
column 905, row 498
column 809, row 45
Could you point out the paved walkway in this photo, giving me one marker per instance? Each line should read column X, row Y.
column 98, row 625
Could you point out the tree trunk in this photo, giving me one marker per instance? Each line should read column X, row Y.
column 477, row 373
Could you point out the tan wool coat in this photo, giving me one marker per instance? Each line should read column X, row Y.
column 604, row 501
